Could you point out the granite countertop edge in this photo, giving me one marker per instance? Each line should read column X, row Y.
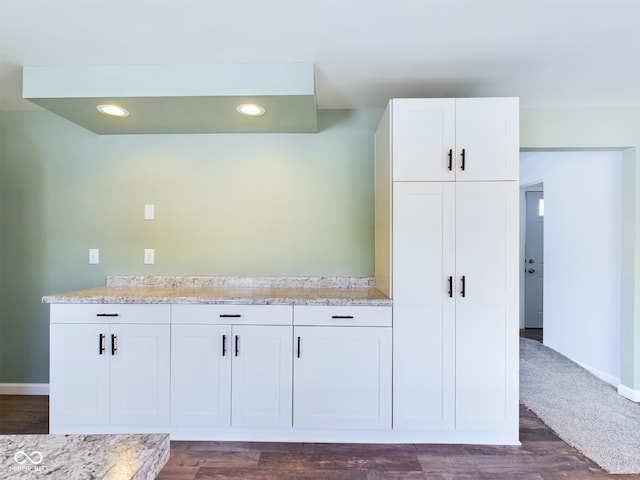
column 173, row 290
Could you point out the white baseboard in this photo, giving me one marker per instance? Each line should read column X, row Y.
column 630, row 393
column 24, row 389
column 605, row 377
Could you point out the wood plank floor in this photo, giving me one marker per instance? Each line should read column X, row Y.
column 542, row 456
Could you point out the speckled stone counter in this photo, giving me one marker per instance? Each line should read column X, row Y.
column 231, row 290
column 79, row 457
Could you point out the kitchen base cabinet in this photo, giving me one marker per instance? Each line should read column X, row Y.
column 109, row 377
column 342, row 377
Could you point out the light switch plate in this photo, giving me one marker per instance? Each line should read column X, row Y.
column 149, row 256
column 149, row 212
column 94, row 256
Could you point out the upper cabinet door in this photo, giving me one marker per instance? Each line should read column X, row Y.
column 423, row 135
column 446, row 139
column 487, row 139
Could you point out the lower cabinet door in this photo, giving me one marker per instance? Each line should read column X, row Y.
column 140, row 374
column 342, row 377
column 79, row 374
column 261, row 376
column 201, row 375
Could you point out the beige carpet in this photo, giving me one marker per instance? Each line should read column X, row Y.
column 584, row 411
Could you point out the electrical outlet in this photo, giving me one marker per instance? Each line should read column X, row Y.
column 149, row 256
column 94, row 256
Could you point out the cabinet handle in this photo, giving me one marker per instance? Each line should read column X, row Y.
column 450, row 280
column 462, row 154
column 342, row 316
column 107, row 315
column 230, row 315
column 237, row 344
column 224, row 345
column 298, row 347
column 450, row 165
column 114, row 344
column 101, row 345
column 463, row 291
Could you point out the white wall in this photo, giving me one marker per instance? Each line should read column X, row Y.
column 582, row 239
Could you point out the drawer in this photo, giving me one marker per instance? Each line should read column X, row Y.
column 232, row 314
column 351, row 316
column 110, row 313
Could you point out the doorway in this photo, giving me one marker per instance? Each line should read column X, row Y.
column 534, row 262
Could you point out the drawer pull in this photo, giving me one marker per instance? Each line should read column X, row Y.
column 230, row 315
column 114, row 344
column 107, row 315
column 342, row 316
column 101, row 345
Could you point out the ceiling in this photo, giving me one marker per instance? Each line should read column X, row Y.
column 547, row 52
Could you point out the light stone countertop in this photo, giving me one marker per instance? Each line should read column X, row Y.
column 80, row 457
column 229, row 291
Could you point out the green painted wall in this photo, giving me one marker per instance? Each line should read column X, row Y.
column 277, row 204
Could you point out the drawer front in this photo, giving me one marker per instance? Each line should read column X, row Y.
column 348, row 316
column 232, row 314
column 110, row 313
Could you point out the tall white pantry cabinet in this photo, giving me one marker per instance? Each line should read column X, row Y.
column 447, row 253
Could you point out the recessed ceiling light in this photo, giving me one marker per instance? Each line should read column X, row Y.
column 251, row 109
column 113, row 110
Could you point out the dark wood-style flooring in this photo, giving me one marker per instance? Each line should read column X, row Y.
column 542, row 455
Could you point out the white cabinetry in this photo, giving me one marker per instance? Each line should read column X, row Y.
column 450, row 139
column 448, row 257
column 342, row 367
column 231, row 365
column 109, row 373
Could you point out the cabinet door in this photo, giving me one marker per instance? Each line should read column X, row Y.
column 261, row 376
column 342, row 377
column 423, row 133
column 487, row 312
column 423, row 307
column 140, row 375
column 488, row 131
column 201, row 375
column 79, row 374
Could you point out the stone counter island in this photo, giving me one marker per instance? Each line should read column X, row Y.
column 83, row 457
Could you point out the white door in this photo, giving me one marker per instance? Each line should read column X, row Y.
column 424, row 305
column 487, row 139
column 342, row 377
column 423, row 138
column 201, row 375
column 534, row 259
column 140, row 374
column 79, row 375
column 262, row 374
column 487, row 306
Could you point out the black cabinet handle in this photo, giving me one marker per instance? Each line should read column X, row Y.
column 237, row 344
column 450, row 280
column 342, row 316
column 463, row 291
column 298, row 347
column 450, row 165
column 107, row 315
column 101, row 345
column 230, row 315
column 224, row 345
column 462, row 154
column 114, row 344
